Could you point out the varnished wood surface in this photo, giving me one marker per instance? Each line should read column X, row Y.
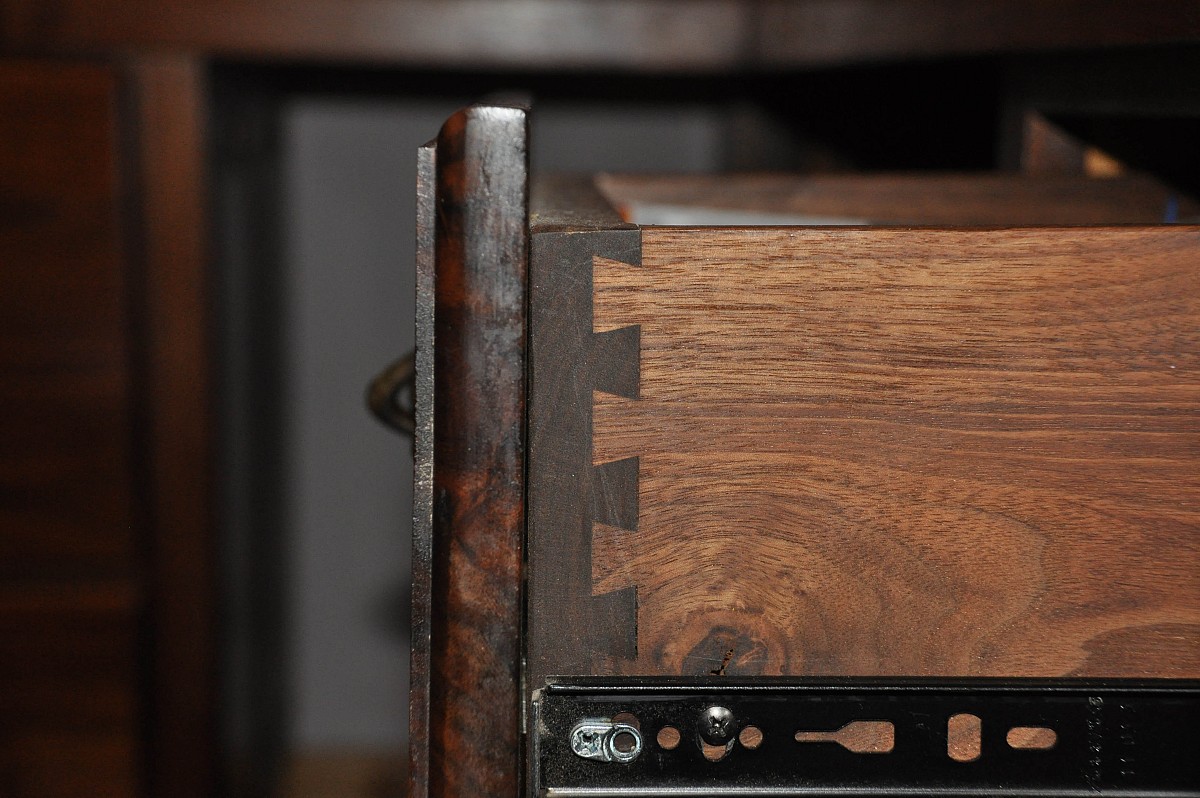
column 900, row 452
column 478, row 453
column 615, row 34
column 176, row 427
column 65, row 430
column 570, row 204
column 475, row 33
column 69, row 707
column 69, row 595
column 832, row 30
column 918, row 199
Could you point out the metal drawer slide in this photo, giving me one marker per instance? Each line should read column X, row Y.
column 781, row 737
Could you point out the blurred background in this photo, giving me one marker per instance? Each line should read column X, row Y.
column 206, row 251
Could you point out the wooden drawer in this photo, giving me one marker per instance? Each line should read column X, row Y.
column 939, row 427
column 867, row 450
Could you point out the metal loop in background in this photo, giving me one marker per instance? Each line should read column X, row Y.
column 390, row 395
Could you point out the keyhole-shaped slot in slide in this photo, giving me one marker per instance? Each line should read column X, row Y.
column 859, row 736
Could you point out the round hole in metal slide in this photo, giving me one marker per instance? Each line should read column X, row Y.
column 751, row 737
column 628, row 718
column 668, row 738
column 715, row 753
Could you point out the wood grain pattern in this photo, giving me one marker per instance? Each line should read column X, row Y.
column 65, row 445
column 69, row 707
column 572, row 627
column 69, row 594
column 481, row 249
column 992, row 199
column 908, row 452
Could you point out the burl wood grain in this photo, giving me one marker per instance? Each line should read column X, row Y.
column 902, row 452
column 478, row 491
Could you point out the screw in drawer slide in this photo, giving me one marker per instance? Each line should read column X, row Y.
column 856, row 737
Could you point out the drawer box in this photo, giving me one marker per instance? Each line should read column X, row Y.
column 903, row 426
column 950, row 443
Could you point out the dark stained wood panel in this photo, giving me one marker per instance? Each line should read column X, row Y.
column 865, row 30
column 65, row 491
column 663, row 34
column 70, row 601
column 82, row 629
column 574, row 628
column 68, row 713
column 902, row 452
column 616, row 34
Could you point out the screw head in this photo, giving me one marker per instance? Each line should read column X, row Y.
column 716, row 725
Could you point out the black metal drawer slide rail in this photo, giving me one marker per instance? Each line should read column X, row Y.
column 792, row 737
